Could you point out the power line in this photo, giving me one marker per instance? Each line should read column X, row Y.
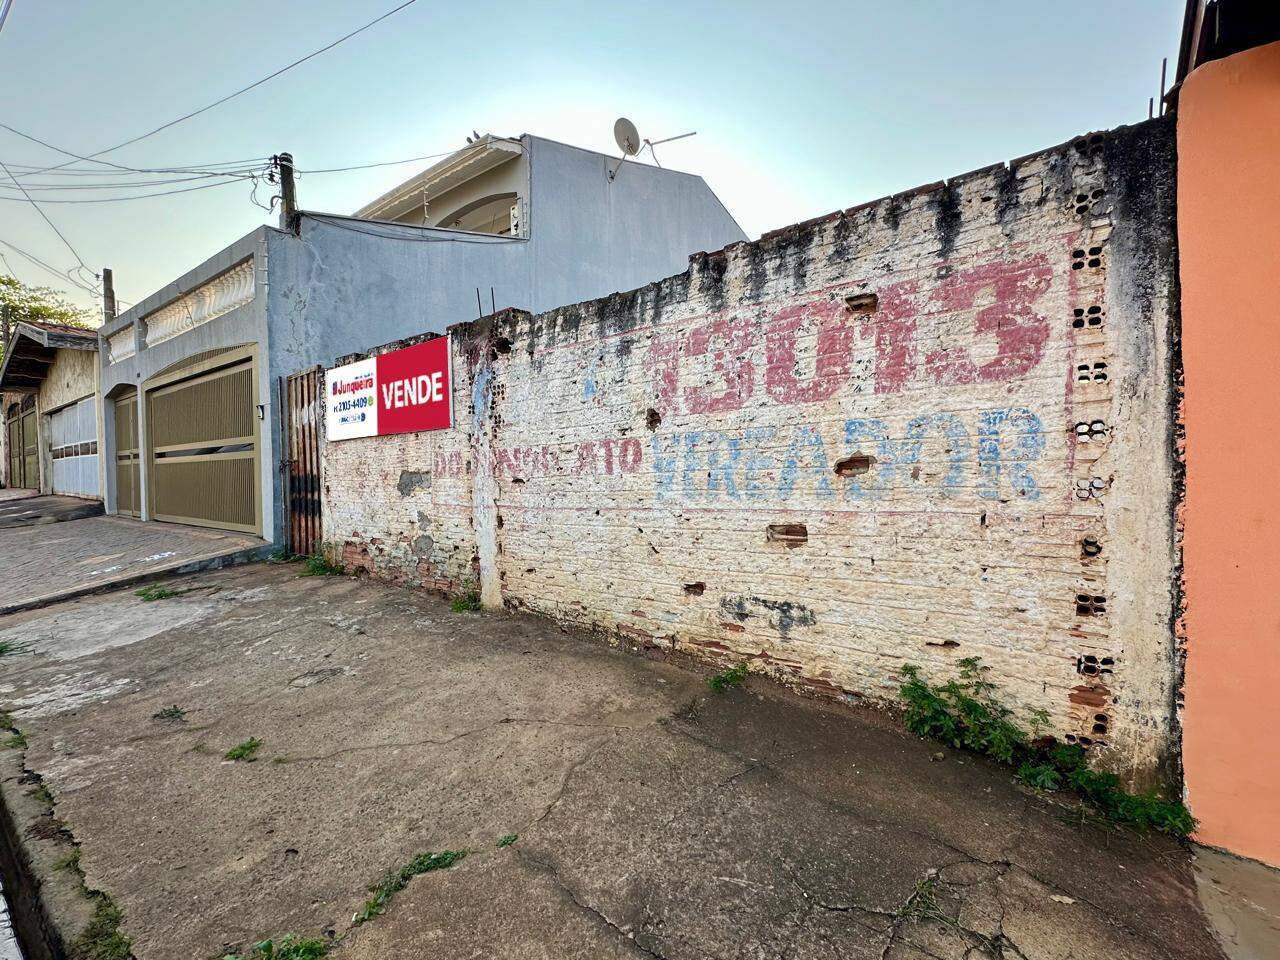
column 105, row 163
column 29, row 170
column 256, row 83
column 53, row 270
column 386, row 163
column 4, row 14
column 45, row 216
column 140, row 196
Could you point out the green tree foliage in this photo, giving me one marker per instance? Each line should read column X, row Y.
column 20, row 303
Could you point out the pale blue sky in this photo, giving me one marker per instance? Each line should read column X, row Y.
column 801, row 108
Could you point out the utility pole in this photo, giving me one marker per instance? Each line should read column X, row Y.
column 108, row 296
column 289, row 219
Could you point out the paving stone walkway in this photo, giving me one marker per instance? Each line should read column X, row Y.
column 50, row 561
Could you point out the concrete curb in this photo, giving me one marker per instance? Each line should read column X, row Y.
column 48, row 906
column 211, row 561
column 78, row 513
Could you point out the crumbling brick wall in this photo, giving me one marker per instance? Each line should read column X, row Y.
column 931, row 427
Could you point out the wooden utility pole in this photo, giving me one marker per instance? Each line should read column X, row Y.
column 289, row 219
column 108, row 296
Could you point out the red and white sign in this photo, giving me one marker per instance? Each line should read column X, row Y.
column 405, row 391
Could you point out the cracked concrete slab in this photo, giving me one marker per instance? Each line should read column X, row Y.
column 654, row 817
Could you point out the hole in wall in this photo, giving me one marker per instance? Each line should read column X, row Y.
column 862, row 303
column 695, row 589
column 854, row 466
column 1090, row 605
column 1090, row 546
column 790, row 535
column 1082, row 317
column 502, row 345
column 652, row 419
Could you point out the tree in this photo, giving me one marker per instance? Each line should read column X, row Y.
column 22, row 303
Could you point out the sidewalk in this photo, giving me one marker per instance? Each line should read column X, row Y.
column 651, row 817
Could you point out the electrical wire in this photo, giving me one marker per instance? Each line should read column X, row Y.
column 106, row 163
column 28, row 170
column 246, row 89
column 140, row 196
column 65, row 276
column 4, row 14
column 338, row 222
column 45, row 216
column 125, row 184
column 369, row 166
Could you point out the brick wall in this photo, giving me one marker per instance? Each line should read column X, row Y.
column 930, row 427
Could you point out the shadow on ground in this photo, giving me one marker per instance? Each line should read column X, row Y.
column 654, row 818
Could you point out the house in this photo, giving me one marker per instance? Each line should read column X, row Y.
column 194, row 376
column 49, row 391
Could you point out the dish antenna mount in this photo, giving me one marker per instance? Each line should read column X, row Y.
column 629, row 142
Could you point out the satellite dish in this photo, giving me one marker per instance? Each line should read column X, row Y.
column 626, row 136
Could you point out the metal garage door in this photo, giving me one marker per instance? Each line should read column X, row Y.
column 202, row 444
column 128, row 494
column 73, row 449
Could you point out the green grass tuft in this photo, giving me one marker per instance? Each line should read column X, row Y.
column 101, row 938
column 397, row 880
column 466, row 601
column 965, row 713
column 286, row 948
column 319, row 565
column 728, row 678
column 16, row 742
column 244, row 751
column 9, row 648
column 173, row 714
column 70, row 862
column 156, row 592
column 508, row 840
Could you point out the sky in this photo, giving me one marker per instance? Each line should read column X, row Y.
column 800, row 108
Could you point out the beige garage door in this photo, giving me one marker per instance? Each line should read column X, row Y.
column 203, row 449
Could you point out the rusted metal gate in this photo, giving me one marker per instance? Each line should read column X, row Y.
column 128, row 494
column 202, row 444
column 300, row 463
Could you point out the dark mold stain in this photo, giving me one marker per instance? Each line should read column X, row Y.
column 783, row 615
column 946, row 212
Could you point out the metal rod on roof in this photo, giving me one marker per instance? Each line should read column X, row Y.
column 493, row 305
column 1151, row 107
column 479, row 306
column 1164, row 66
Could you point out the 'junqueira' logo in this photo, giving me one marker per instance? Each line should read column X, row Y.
column 405, row 391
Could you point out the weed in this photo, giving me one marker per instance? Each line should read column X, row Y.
column 16, row 742
column 397, row 880
column 156, row 592
column 728, row 678
column 6, row 721
column 319, row 565
column 466, row 601
column 9, row 648
column 281, row 555
column 508, row 840
column 41, row 795
column 965, row 713
column 173, row 714
column 70, row 862
column 101, row 938
column 287, row 948
column 244, row 751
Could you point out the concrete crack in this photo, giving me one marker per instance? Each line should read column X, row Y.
column 628, row 938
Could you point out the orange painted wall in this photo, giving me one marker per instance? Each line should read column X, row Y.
column 1229, row 241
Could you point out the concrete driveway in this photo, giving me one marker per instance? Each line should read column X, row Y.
column 643, row 814
column 46, row 562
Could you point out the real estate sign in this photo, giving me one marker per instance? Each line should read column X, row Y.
column 404, row 391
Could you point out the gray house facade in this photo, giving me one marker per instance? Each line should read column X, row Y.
column 193, row 378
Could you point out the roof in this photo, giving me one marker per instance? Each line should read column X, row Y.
column 59, row 328
column 460, row 166
column 32, row 349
